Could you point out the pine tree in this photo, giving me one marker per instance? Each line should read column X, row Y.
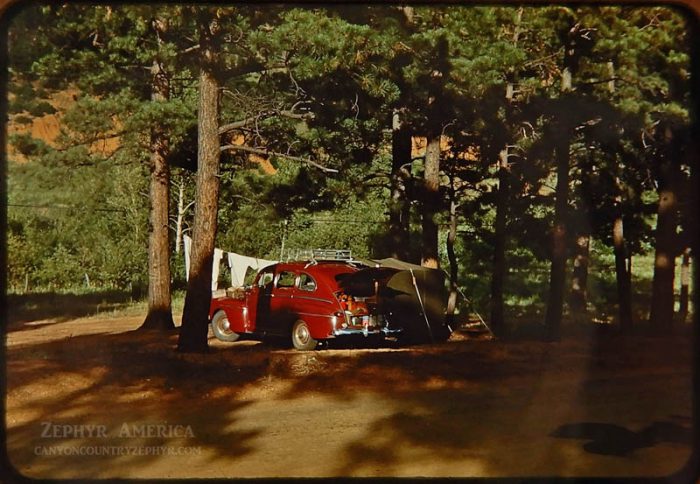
column 193, row 334
column 654, row 88
column 104, row 53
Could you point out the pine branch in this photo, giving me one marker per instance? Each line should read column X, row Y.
column 90, row 141
column 601, row 81
column 265, row 152
column 223, row 129
column 189, row 49
column 542, row 60
column 291, row 114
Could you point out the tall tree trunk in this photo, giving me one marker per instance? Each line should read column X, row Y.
column 579, row 276
column 661, row 314
column 431, row 202
column 159, row 298
column 622, row 272
column 454, row 268
column 193, row 335
column 685, row 286
column 180, row 221
column 498, row 274
column 400, row 162
column 180, row 216
column 557, row 273
column 623, row 264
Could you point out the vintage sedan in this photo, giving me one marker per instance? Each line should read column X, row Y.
column 304, row 300
column 318, row 300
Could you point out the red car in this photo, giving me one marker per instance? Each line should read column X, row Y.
column 312, row 301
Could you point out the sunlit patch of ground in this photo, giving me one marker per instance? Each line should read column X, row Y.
column 592, row 404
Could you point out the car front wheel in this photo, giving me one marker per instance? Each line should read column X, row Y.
column 301, row 337
column 221, row 328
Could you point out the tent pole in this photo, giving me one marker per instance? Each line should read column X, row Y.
column 420, row 300
column 475, row 311
column 471, row 304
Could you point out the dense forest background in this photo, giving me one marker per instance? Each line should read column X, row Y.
column 542, row 156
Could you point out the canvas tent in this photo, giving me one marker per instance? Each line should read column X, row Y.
column 412, row 295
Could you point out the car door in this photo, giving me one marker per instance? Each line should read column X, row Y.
column 259, row 299
column 282, row 314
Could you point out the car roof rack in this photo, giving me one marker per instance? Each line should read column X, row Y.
column 317, row 255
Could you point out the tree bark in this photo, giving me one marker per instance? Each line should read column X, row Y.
column 557, row 273
column 661, row 313
column 195, row 318
column 398, row 213
column 579, row 276
column 159, row 315
column 180, row 216
column 454, row 268
column 622, row 273
column 181, row 212
column 685, row 286
column 431, row 202
column 498, row 273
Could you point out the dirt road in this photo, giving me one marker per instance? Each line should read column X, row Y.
column 89, row 398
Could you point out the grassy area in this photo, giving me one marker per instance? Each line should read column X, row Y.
column 526, row 293
column 64, row 305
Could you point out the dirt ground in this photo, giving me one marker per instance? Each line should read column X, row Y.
column 89, row 398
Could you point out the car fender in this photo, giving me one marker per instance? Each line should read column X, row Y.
column 317, row 311
column 236, row 312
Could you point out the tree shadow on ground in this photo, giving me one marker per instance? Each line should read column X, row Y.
column 611, row 439
column 132, row 378
column 24, row 308
column 490, row 405
column 459, row 403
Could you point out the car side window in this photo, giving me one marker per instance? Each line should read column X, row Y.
column 286, row 279
column 307, row 283
column 265, row 279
